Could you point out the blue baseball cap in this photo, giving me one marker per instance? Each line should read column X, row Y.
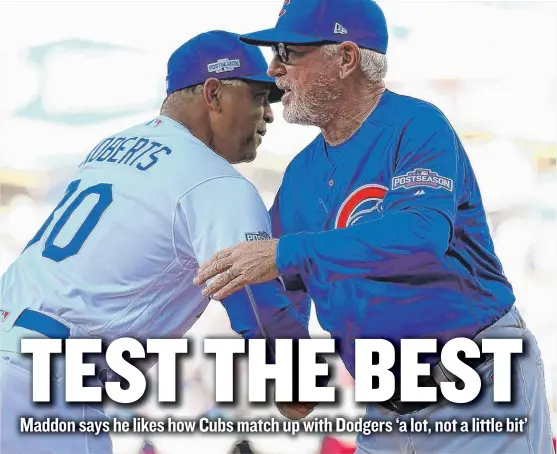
column 315, row 21
column 221, row 55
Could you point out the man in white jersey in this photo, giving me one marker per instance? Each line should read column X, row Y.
column 117, row 256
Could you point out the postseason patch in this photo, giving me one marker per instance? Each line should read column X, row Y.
column 422, row 177
column 254, row 236
column 223, row 65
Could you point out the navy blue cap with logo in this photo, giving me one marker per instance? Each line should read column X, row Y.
column 306, row 22
column 221, row 55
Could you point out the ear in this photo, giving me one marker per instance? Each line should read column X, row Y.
column 212, row 93
column 350, row 54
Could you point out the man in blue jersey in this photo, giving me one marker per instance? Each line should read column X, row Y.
column 380, row 221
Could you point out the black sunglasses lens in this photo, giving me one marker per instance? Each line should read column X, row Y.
column 281, row 51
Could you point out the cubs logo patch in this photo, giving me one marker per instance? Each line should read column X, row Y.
column 363, row 201
column 491, row 378
column 254, row 236
column 3, row 315
column 422, row 177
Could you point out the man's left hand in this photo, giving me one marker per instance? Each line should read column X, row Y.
column 250, row 262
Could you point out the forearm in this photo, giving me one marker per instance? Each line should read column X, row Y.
column 278, row 317
column 395, row 245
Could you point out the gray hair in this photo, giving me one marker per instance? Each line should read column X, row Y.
column 373, row 64
column 187, row 95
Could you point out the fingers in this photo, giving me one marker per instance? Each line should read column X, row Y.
column 210, row 269
column 230, row 288
column 217, row 284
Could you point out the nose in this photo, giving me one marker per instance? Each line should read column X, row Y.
column 276, row 68
column 268, row 115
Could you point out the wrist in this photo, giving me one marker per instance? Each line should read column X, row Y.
column 290, row 253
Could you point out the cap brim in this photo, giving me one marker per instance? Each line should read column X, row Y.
column 276, row 35
column 276, row 93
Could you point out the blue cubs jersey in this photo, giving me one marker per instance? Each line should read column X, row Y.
column 388, row 233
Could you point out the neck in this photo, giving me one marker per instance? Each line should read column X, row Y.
column 194, row 120
column 351, row 112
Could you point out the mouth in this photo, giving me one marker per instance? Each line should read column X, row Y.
column 286, row 95
column 284, row 88
column 261, row 133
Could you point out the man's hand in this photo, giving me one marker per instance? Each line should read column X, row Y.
column 295, row 411
column 250, row 262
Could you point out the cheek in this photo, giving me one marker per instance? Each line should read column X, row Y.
column 235, row 111
column 253, row 114
column 246, row 120
column 306, row 82
column 318, row 84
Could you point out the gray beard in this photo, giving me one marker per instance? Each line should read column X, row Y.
column 304, row 115
column 311, row 108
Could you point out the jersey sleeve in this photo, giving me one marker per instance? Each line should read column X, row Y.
column 220, row 213
column 293, row 285
column 418, row 214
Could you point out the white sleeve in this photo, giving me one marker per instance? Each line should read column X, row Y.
column 222, row 212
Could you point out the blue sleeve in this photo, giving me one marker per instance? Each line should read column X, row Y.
column 279, row 318
column 418, row 214
column 293, row 284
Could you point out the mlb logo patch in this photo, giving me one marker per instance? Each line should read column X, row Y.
column 154, row 123
column 4, row 315
column 254, row 236
column 422, row 177
column 223, row 65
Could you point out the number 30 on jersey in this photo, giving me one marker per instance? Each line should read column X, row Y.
column 58, row 253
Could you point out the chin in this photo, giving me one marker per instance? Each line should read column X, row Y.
column 292, row 115
column 301, row 117
column 297, row 120
column 250, row 157
column 247, row 156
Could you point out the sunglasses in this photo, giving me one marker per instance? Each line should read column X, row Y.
column 283, row 53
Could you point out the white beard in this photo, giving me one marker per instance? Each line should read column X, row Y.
column 308, row 105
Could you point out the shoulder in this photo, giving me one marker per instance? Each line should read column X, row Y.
column 221, row 203
column 226, row 187
column 414, row 113
column 193, row 163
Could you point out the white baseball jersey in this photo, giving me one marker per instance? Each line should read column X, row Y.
column 118, row 254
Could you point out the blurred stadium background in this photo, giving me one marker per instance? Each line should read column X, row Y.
column 72, row 72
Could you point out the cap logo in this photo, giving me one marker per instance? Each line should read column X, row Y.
column 283, row 10
column 339, row 29
column 222, row 65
